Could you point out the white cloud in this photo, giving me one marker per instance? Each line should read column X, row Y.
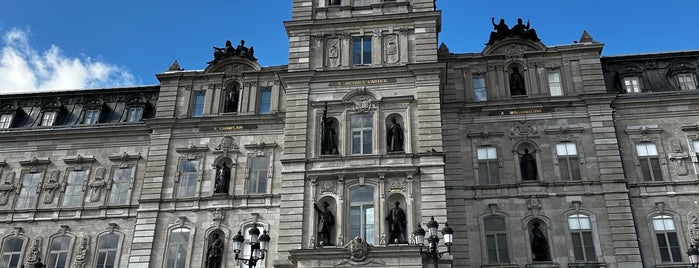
column 23, row 69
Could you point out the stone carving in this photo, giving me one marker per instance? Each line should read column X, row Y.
column 51, row 187
column 227, row 144
column 391, row 45
column 326, row 221
column 528, row 166
column 358, row 249
column 517, row 87
column 534, row 205
column 512, row 50
column 34, row 252
column 396, row 184
column 96, row 185
column 394, row 135
column 397, row 222
column 83, row 250
column 539, row 244
column 218, row 214
column 520, row 30
column 6, row 188
column 523, row 129
column 328, row 146
column 677, row 157
column 333, row 52
column 229, row 51
column 327, row 186
column 223, row 178
column 214, row 252
column 362, row 102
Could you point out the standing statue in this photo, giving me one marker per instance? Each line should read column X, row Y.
column 539, row 244
column 517, row 83
column 214, row 252
column 231, row 101
column 397, row 222
column 528, row 166
column 327, row 142
column 394, row 135
column 223, row 176
column 38, row 264
column 325, row 223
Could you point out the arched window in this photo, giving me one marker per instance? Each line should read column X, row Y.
column 11, row 252
column 177, row 245
column 107, row 248
column 59, row 250
column 362, row 213
column 666, row 235
column 496, row 239
column 581, row 236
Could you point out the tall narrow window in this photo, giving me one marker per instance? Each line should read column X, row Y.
column 107, row 248
column 27, row 195
column 480, row 93
column 361, row 50
column 6, row 120
column 361, row 128
column 198, row 103
column 11, row 251
column 134, row 114
column 121, row 179
column 496, row 239
column 632, row 84
column 362, row 213
column 91, row 117
column 48, row 118
column 650, row 164
column 58, row 252
column 74, row 188
column 187, row 185
column 568, row 161
column 555, row 85
column 687, row 81
column 258, row 174
column 665, row 233
column 488, row 165
column 265, row 100
column 581, row 235
column 176, row 256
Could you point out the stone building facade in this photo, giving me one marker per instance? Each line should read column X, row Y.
column 538, row 156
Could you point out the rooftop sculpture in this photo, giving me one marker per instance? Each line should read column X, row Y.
column 229, row 51
column 520, row 30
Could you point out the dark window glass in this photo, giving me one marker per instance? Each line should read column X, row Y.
column 198, row 105
column 265, row 100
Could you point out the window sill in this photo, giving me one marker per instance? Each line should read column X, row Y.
column 587, row 265
column 672, row 265
column 499, row 266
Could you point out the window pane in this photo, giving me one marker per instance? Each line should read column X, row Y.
column 577, row 247
column 367, row 50
column 369, row 223
column 574, row 165
column 494, row 224
column 188, row 178
column 502, row 248
column 589, row 246
column 632, row 85
column 27, row 194
column 134, row 114
column 696, row 146
column 655, row 167
column 357, row 50
column 492, row 248
column 662, row 246
column 120, row 186
column 258, row 174
column 91, row 117
column 265, row 100
column 555, row 85
column 362, row 134
column 563, row 165
column 674, row 247
column 6, row 120
column 198, row 104
column 177, row 248
column 73, row 191
column 479, row 90
column 48, row 119
column 686, row 81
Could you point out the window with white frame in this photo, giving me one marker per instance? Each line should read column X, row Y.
column 187, row 184
column 107, row 247
column 198, row 103
column 265, row 101
column 687, row 81
column 555, row 84
column 480, row 93
column 632, row 84
column 121, row 178
column 11, row 252
column 27, row 194
column 361, row 221
column 361, row 126
column 177, row 245
column 58, row 252
column 488, row 168
column 496, row 239
column 259, row 166
column 568, row 164
column 48, row 118
column 91, row 117
column 361, row 50
column 134, row 114
column 666, row 236
column 74, row 188
column 6, row 120
column 581, row 236
column 648, row 159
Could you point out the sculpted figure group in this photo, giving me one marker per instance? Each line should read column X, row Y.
column 520, row 30
column 229, row 50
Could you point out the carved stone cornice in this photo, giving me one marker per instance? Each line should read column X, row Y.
column 260, row 145
column 564, row 132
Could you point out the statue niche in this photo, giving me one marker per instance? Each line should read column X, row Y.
column 395, row 141
column 328, row 135
column 539, row 243
column 231, row 96
column 223, row 176
column 517, row 85
column 326, row 223
column 214, row 250
column 527, row 164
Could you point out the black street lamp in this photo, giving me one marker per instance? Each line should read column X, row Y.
column 433, row 240
column 693, row 254
column 258, row 246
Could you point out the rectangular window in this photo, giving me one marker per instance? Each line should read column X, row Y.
column 74, row 188
column 687, row 81
column 91, row 117
column 187, row 185
column 496, row 240
column 362, row 213
column 488, row 165
column 265, row 100
column 668, row 244
column 632, row 84
column 555, row 85
column 11, row 251
column 361, row 3
column 48, row 119
column 334, row 2
column 581, row 234
column 650, row 164
column 27, row 195
column 58, row 251
column 121, row 178
column 259, row 166
column 479, row 90
column 107, row 251
column 568, row 161
column 361, row 128
column 361, row 50
column 198, row 103
column 176, row 256
column 134, row 114
column 6, row 120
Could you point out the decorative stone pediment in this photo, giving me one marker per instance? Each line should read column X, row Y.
column 190, row 152
column 78, row 161
column 35, row 163
column 485, row 135
column 564, row 132
column 360, row 100
column 124, row 159
column 513, row 48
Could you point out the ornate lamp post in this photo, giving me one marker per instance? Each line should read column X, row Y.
column 693, row 254
column 433, row 240
column 258, row 246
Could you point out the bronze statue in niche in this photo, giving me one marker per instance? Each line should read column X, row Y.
column 394, row 136
column 517, row 87
column 397, row 222
column 328, row 146
column 223, row 177
column 214, row 252
column 325, row 223
column 528, row 166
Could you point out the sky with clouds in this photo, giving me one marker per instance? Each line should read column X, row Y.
column 75, row 44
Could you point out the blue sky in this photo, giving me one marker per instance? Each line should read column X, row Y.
column 53, row 45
